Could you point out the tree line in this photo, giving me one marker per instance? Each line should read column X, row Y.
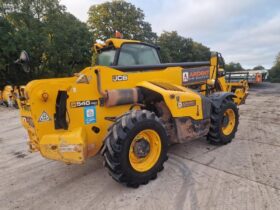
column 59, row 44
column 274, row 73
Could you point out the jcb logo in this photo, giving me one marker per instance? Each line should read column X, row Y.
column 119, row 78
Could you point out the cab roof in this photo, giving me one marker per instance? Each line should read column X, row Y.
column 116, row 42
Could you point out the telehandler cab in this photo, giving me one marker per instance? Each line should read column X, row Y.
column 130, row 107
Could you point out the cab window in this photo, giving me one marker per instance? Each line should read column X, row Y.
column 106, row 57
column 137, row 54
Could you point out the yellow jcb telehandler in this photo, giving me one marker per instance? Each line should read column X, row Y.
column 10, row 95
column 7, row 96
column 130, row 107
column 18, row 92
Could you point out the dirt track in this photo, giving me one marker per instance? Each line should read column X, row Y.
column 242, row 175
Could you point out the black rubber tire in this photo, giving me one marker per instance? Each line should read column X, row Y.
column 216, row 135
column 117, row 144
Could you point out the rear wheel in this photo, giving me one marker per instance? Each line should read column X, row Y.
column 136, row 148
column 224, row 123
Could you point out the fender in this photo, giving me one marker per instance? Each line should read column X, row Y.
column 181, row 101
column 218, row 97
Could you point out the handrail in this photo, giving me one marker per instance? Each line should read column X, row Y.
column 160, row 66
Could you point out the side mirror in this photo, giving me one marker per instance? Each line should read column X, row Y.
column 24, row 61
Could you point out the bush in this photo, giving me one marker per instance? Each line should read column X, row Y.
column 274, row 73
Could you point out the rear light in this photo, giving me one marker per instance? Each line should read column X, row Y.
column 118, row 35
column 45, row 96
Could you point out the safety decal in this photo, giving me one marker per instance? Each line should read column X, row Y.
column 78, row 104
column 194, row 75
column 184, row 104
column 44, row 117
column 89, row 114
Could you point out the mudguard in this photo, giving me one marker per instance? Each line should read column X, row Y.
column 181, row 101
column 218, row 97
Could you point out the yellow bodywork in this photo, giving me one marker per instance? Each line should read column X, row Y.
column 45, row 138
column 240, row 89
column 80, row 141
column 1, row 97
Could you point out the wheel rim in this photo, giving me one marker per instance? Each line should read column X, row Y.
column 144, row 150
column 228, row 122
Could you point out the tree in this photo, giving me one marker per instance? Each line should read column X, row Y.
column 274, row 73
column 175, row 48
column 233, row 67
column 105, row 19
column 7, row 50
column 68, row 48
column 57, row 42
column 259, row 68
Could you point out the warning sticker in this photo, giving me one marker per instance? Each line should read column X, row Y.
column 195, row 75
column 89, row 114
column 68, row 148
column 44, row 117
column 184, row 104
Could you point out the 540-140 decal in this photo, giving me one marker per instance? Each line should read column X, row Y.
column 78, row 104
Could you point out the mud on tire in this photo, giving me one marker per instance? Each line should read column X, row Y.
column 117, row 147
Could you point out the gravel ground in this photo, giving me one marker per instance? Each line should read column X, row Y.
column 241, row 175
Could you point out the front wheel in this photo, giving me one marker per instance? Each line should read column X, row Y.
column 224, row 123
column 136, row 148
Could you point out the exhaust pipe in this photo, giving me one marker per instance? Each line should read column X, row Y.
column 118, row 97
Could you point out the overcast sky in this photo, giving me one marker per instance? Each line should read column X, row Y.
column 245, row 31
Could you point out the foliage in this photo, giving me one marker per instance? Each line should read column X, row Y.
column 233, row 67
column 258, row 68
column 57, row 42
column 274, row 73
column 105, row 19
column 175, row 48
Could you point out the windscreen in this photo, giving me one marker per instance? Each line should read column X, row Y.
column 138, row 54
column 106, row 58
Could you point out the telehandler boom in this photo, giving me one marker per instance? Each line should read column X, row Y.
column 130, row 107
